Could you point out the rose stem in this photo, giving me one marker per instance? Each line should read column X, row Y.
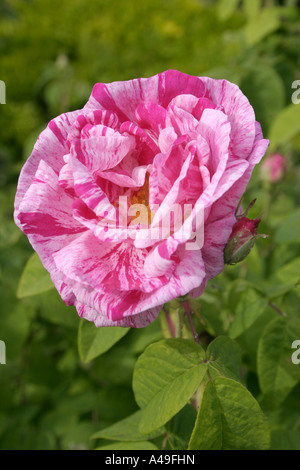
column 190, row 319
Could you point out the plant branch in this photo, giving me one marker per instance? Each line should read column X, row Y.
column 277, row 309
column 190, row 320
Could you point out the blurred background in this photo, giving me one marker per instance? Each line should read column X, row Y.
column 51, row 54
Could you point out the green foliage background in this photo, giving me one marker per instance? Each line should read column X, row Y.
column 51, row 395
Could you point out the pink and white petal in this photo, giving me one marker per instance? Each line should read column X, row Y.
column 49, row 227
column 140, row 320
column 203, row 150
column 160, row 260
column 205, row 175
column 148, row 141
column 179, row 189
column 188, row 110
column 46, row 209
column 165, row 171
column 124, row 97
column 234, row 193
column 202, row 104
column 51, row 146
column 65, row 178
column 166, row 139
column 90, row 119
column 198, row 291
column 183, row 122
column 215, row 128
column 84, row 215
column 91, row 194
column 117, row 305
column 259, row 148
column 96, row 131
column 239, row 111
column 186, row 102
column 221, row 218
column 152, row 116
column 173, row 83
column 118, row 177
column 235, row 169
column 106, row 267
column 102, row 152
column 216, row 236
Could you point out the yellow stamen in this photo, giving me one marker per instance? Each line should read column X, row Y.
column 142, row 197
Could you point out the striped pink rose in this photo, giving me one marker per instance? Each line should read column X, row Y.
column 168, row 139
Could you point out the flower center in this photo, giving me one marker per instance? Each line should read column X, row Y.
column 142, row 197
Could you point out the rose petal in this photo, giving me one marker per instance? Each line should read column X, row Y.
column 51, row 146
column 106, row 266
column 124, row 97
column 239, row 111
column 119, row 305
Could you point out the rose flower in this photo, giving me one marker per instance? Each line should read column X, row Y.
column 171, row 140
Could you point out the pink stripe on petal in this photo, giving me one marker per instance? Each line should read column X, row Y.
column 48, row 148
column 43, row 201
column 87, row 189
column 124, row 97
column 239, row 111
column 118, row 176
column 167, row 138
column 161, row 259
column 118, row 305
column 102, row 153
column 106, row 267
column 152, row 116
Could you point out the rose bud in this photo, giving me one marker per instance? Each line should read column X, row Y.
column 274, row 168
column 242, row 239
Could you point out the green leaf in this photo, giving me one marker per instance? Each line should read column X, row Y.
column 224, row 358
column 34, row 279
column 250, row 306
column 93, row 341
column 289, row 274
column 226, row 8
column 141, row 445
column 126, row 430
column 285, row 126
column 289, row 230
column 277, row 374
column 260, row 26
column 229, row 418
column 207, row 433
column 165, row 377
